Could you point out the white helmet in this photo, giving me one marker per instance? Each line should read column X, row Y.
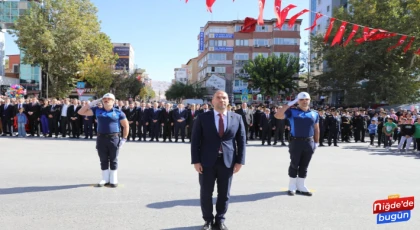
column 303, row 95
column 109, row 95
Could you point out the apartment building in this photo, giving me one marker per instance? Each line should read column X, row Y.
column 223, row 51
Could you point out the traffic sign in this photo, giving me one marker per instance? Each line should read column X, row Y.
column 244, row 98
column 245, row 91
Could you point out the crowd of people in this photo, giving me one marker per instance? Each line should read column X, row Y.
column 158, row 120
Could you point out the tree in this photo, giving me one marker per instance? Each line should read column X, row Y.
column 178, row 91
column 97, row 72
column 273, row 74
column 367, row 72
column 58, row 36
column 126, row 87
column 147, row 93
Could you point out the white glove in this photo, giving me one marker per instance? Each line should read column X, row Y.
column 122, row 141
column 95, row 103
column 315, row 145
column 291, row 103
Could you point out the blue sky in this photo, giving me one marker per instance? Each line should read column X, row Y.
column 164, row 33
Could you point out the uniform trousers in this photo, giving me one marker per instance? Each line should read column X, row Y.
column 107, row 147
column 300, row 155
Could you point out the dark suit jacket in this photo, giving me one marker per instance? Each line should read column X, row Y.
column 155, row 115
column 142, row 116
column 247, row 117
column 7, row 113
column 131, row 115
column 267, row 123
column 206, row 141
column 35, row 108
column 166, row 116
column 176, row 115
column 56, row 112
column 71, row 113
column 192, row 117
column 24, row 106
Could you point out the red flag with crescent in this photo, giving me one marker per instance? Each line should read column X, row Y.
column 249, row 26
column 408, row 46
column 296, row 16
column 364, row 37
column 261, row 4
column 209, row 4
column 329, row 30
column 284, row 14
column 339, row 34
column 277, row 10
column 353, row 32
column 317, row 16
column 400, row 42
column 381, row 34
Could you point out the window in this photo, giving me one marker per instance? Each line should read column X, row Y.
column 241, row 43
column 319, row 27
column 286, row 27
column 291, row 54
column 240, row 83
column 328, row 8
column 238, row 28
column 319, row 2
column 261, row 28
column 261, row 42
column 254, row 55
column 216, row 56
column 285, row 41
column 218, row 43
column 216, row 69
column 15, row 68
column 241, row 56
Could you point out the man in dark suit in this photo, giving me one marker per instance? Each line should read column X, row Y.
column 267, row 124
column 131, row 114
column 142, row 121
column 53, row 118
column 34, row 114
column 217, row 152
column 247, row 117
column 167, row 122
column 192, row 114
column 155, row 121
column 73, row 115
column 7, row 113
column 180, row 117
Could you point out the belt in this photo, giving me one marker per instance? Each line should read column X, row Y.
column 108, row 134
column 301, row 138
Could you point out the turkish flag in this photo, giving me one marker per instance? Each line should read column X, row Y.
column 317, row 16
column 381, row 34
column 329, row 30
column 261, row 4
column 284, row 13
column 277, row 10
column 249, row 25
column 209, row 4
column 339, row 34
column 296, row 16
column 408, row 46
column 353, row 32
column 364, row 37
column 400, row 42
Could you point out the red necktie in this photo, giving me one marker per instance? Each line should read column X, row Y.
column 221, row 129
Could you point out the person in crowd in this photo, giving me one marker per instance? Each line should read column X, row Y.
column 373, row 128
column 22, row 120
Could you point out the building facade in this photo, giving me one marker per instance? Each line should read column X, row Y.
column 181, row 75
column 326, row 8
column 192, row 66
column 125, row 60
column 224, row 50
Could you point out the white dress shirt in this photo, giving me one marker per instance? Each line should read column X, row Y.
column 64, row 110
column 216, row 120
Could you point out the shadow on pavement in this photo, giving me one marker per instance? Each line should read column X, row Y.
column 17, row 190
column 383, row 152
column 184, row 228
column 233, row 199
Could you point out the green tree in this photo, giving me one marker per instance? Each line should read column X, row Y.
column 58, row 36
column 126, row 87
column 367, row 73
column 179, row 91
column 147, row 93
column 97, row 72
column 273, row 74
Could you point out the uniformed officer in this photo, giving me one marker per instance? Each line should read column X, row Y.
column 304, row 139
column 333, row 122
column 108, row 143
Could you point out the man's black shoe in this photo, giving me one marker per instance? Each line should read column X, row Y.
column 207, row 225
column 220, row 226
column 290, row 193
column 304, row 193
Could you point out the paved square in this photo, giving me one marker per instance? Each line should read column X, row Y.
column 47, row 184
